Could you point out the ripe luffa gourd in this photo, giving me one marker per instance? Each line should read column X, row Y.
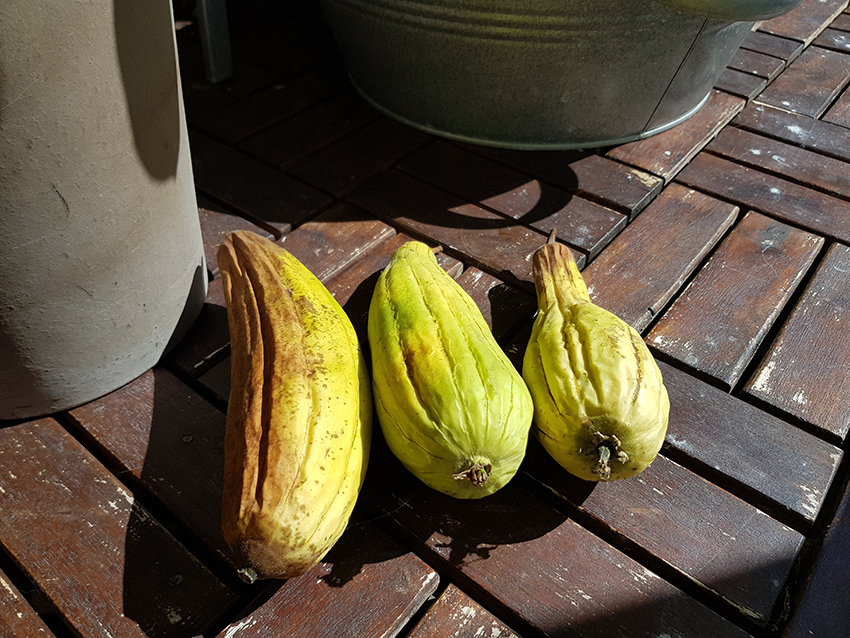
column 451, row 405
column 299, row 416
column 600, row 405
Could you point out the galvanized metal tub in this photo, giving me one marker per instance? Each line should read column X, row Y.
column 551, row 74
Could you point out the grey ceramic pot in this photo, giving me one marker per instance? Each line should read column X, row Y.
column 101, row 257
column 543, row 74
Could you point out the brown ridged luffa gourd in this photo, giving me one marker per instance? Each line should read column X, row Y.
column 299, row 415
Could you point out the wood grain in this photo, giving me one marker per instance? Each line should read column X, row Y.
column 778, row 467
column 684, row 520
column 720, row 319
column 106, row 564
column 777, row 197
column 805, row 368
column 839, row 112
column 754, row 63
column 740, row 83
column 456, row 615
column 785, row 49
column 790, row 162
column 367, row 585
column 810, row 84
column 815, row 135
column 488, row 240
column 17, row 618
column 804, row 22
column 541, row 571
column 667, row 153
column 652, row 258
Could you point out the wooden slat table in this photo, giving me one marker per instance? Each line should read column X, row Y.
column 724, row 241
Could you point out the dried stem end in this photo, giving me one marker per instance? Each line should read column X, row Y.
column 477, row 474
column 607, row 447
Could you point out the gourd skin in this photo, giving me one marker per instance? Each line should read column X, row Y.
column 299, row 416
column 594, row 382
column 452, row 407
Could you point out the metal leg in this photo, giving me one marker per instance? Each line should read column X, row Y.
column 215, row 39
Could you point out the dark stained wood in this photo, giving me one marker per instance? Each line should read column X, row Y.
column 805, row 21
column 740, row 83
column 667, row 153
column 778, row 47
column 782, row 469
column 17, row 618
column 208, row 339
column 834, row 39
column 754, row 63
column 503, row 306
column 355, row 158
column 579, row 222
column 790, row 162
column 105, row 563
column 721, row 318
column 245, row 117
column 815, row 135
column 163, row 435
column 335, row 239
column 810, row 84
column 456, row 615
column 287, row 142
column 806, row 368
column 823, row 610
column 841, row 22
column 839, row 112
column 774, row 196
column 259, row 192
column 715, row 539
column 485, row 239
column 215, row 225
column 539, row 570
column 367, row 585
column 651, row 259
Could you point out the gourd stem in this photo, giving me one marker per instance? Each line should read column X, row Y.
column 602, row 469
column 477, row 474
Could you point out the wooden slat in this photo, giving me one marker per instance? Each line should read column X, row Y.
column 791, row 162
column 102, row 560
column 296, row 137
column 783, row 470
column 332, row 241
column 162, row 434
column 208, row 339
column 834, row 39
column 623, row 188
column 259, row 192
column 255, row 112
column 652, row 258
column 774, row 196
column 485, row 239
column 804, row 22
column 810, row 84
column 456, row 615
column 216, row 224
column 727, row 546
column 720, row 319
column 581, row 223
column 667, row 153
column 352, row 160
column 502, row 305
column 839, row 112
column 805, row 370
column 778, row 47
column 541, row 571
column 841, row 22
column 815, row 135
column 367, row 585
column 754, row 63
column 740, row 83
column 17, row 618
column 823, row 609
